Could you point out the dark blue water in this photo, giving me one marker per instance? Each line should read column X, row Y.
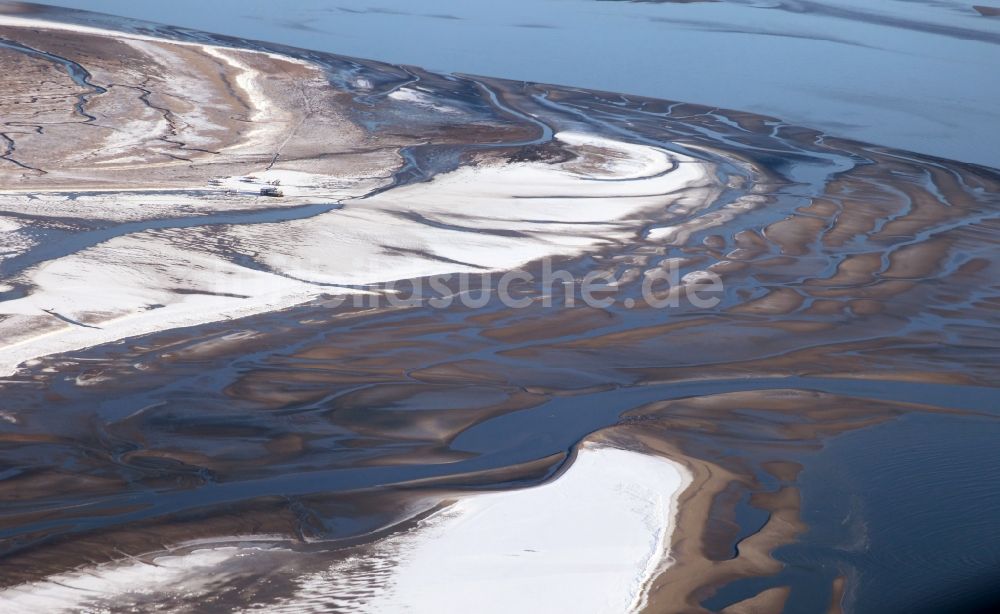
column 902, row 511
column 910, row 504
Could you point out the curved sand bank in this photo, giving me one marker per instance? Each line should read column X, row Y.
column 150, row 281
column 589, row 541
column 206, row 127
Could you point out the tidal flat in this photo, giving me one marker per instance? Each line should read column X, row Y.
column 212, row 397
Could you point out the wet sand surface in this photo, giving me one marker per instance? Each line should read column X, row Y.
column 860, row 298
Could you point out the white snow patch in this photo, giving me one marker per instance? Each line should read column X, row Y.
column 89, row 590
column 486, row 218
column 134, row 285
column 422, row 99
column 589, row 541
column 13, row 241
column 292, row 184
column 17, row 21
column 475, row 219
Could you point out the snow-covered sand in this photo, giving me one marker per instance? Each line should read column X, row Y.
column 486, row 218
column 422, row 99
column 490, row 217
column 19, row 21
column 589, row 541
column 134, row 285
column 493, row 215
column 94, row 590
